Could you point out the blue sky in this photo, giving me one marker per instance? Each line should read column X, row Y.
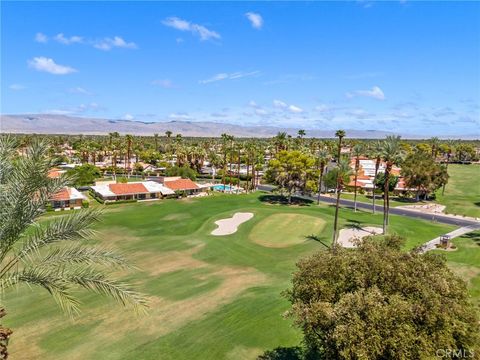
column 400, row 66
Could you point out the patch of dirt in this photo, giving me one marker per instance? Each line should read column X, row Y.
column 165, row 262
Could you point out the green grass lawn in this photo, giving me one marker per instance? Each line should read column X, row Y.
column 462, row 193
column 465, row 262
column 212, row 297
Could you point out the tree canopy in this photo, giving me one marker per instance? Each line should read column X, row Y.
column 292, row 171
column 378, row 302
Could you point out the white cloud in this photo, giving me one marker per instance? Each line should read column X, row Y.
column 109, row 43
column 79, row 90
column 128, row 117
column 197, row 30
column 165, row 83
column 253, row 104
column 279, row 104
column 76, row 110
column 41, row 38
column 228, row 76
column 295, row 109
column 375, row 93
column 179, row 116
column 261, row 112
column 68, row 40
column 16, row 87
column 48, row 65
column 322, row 108
column 255, row 19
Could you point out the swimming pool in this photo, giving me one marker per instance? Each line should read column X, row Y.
column 221, row 187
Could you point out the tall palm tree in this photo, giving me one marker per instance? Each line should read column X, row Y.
column 376, row 152
column 129, row 140
column 155, row 138
column 322, row 157
column 340, row 134
column 392, row 154
column 50, row 254
column 357, row 151
column 344, row 171
column 434, row 144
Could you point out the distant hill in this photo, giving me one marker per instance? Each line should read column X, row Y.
column 62, row 124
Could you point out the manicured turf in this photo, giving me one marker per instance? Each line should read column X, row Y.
column 212, row 297
column 465, row 262
column 293, row 227
column 462, row 193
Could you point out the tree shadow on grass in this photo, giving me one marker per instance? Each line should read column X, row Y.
column 290, row 353
column 320, row 239
column 283, row 353
column 354, row 224
column 283, row 200
column 475, row 236
column 477, row 203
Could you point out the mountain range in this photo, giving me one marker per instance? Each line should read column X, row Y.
column 63, row 124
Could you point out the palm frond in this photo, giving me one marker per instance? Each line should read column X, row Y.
column 73, row 227
column 48, row 280
column 60, row 257
column 97, row 282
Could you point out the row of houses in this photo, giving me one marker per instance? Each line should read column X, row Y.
column 366, row 175
column 110, row 191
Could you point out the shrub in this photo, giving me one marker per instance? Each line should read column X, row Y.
column 85, row 204
column 120, row 202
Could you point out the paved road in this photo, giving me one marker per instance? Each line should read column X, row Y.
column 432, row 244
column 443, row 219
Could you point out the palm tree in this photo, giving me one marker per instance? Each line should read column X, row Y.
column 155, row 138
column 435, row 144
column 340, row 134
column 322, row 157
column 357, row 151
column 129, row 139
column 392, row 154
column 49, row 254
column 376, row 152
column 344, row 171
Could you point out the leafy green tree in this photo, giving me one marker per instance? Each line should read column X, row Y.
column 421, row 172
column 185, row 172
column 378, row 302
column 465, row 153
column 290, row 170
column 380, row 181
column 84, row 174
column 50, row 254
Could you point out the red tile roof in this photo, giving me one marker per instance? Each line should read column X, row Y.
column 54, row 173
column 181, row 184
column 127, row 189
column 62, row 195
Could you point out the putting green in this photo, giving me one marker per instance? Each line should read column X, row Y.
column 283, row 230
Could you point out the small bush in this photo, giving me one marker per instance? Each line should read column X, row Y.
column 121, row 202
column 85, row 204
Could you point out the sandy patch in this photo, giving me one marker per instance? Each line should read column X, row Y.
column 347, row 237
column 230, row 225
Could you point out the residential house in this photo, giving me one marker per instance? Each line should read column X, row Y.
column 66, row 199
column 109, row 191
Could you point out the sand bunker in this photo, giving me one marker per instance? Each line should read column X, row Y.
column 347, row 237
column 230, row 225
